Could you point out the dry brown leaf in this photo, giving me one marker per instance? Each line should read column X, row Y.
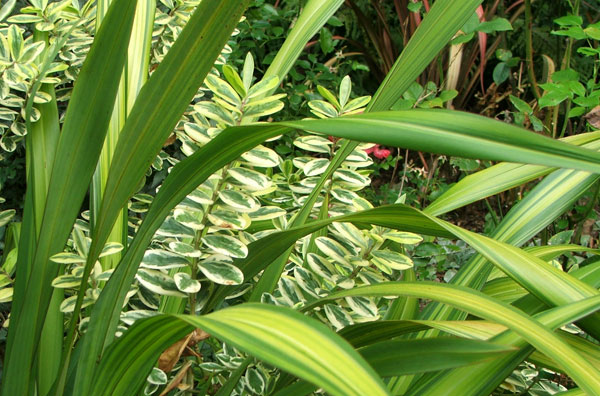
column 593, row 117
column 170, row 140
column 169, row 358
column 175, row 383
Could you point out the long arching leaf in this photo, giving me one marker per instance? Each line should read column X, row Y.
column 541, row 279
column 498, row 178
column 402, row 357
column 444, row 19
column 392, row 128
column 314, row 15
column 484, row 378
column 279, row 336
column 541, row 337
column 78, row 148
column 157, row 110
column 540, row 207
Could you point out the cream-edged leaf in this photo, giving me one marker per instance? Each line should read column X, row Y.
column 391, row 259
column 223, row 89
column 162, row 259
column 313, row 143
column 221, row 272
column 184, row 249
column 316, row 167
column 262, row 157
column 6, row 216
column 234, row 79
column 229, row 219
column 226, row 245
column 239, row 201
column 265, row 85
column 403, row 237
column 332, row 249
column 322, row 109
column 345, row 89
column 66, row 281
column 111, row 248
column 67, row 258
column 263, row 109
column 158, row 282
column 267, row 213
column 185, row 283
column 188, row 218
column 329, row 96
column 253, row 180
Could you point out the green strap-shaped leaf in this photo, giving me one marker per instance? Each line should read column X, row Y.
column 507, row 290
column 572, row 392
column 388, row 128
column 170, row 89
column 314, row 15
column 436, row 30
column 489, row 376
column 134, row 77
column 163, row 99
column 363, row 334
column 78, row 148
column 279, row 336
column 298, row 388
column 587, row 349
column 453, row 133
column 540, row 278
column 440, row 24
column 542, row 205
column 128, row 361
column 404, row 307
column 498, row 178
column 41, row 142
column 589, row 274
column 402, row 357
column 554, row 287
column 539, row 336
column 468, row 380
column 484, row 378
column 550, row 252
column 157, row 110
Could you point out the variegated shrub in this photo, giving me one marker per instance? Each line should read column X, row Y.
column 218, row 266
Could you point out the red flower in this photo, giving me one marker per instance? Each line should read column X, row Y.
column 379, row 152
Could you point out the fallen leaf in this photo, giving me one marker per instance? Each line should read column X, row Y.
column 169, row 358
column 177, row 379
column 593, row 117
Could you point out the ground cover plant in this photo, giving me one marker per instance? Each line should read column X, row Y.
column 194, row 223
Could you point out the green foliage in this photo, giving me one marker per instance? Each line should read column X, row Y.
column 503, row 68
column 248, row 242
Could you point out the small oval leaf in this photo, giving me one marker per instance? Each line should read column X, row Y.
column 221, row 272
column 227, row 245
column 185, row 283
